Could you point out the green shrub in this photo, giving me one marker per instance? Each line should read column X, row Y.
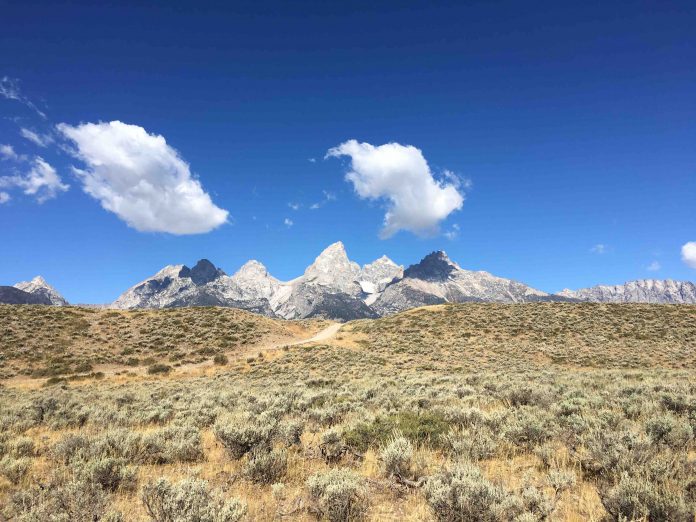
column 339, row 495
column 421, row 428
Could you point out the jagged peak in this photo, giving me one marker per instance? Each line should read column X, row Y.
column 38, row 281
column 435, row 266
column 203, row 272
column 337, row 248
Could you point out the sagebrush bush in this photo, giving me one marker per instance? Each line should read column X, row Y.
column 188, row 500
column 666, row 429
column 109, row 473
column 463, row 494
column 635, row 498
column 242, row 434
column 471, row 444
column 397, row 457
column 339, row 494
column 264, row 467
column 14, row 469
column 63, row 500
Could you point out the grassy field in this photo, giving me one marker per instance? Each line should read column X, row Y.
column 448, row 413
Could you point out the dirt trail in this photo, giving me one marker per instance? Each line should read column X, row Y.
column 324, row 335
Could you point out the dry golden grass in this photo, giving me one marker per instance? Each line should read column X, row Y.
column 40, row 341
column 540, row 378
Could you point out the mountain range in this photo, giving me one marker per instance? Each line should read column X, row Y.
column 335, row 287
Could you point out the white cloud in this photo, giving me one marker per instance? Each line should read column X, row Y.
column 42, row 181
column 452, row 233
column 4, row 197
column 599, row 248
column 688, row 253
column 417, row 202
column 328, row 196
column 288, row 222
column 141, row 179
column 312, row 160
column 9, row 88
column 37, row 139
column 7, row 152
column 654, row 266
column 294, row 206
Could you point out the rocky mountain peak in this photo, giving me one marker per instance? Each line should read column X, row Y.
column 251, row 269
column 333, row 251
column 39, row 280
column 39, row 287
column 202, row 273
column 436, row 266
column 332, row 267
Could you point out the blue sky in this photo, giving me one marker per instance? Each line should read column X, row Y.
column 563, row 126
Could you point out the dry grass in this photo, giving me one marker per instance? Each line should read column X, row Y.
column 521, row 392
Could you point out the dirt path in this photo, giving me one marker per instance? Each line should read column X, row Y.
column 326, row 334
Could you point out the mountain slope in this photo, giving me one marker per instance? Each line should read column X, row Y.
column 12, row 295
column 641, row 291
column 437, row 279
column 39, row 287
column 335, row 287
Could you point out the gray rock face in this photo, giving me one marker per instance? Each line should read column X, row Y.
column 642, row 291
column 437, row 279
column 12, row 295
column 335, row 287
column 39, row 287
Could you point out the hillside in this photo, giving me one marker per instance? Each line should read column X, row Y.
column 542, row 411
column 60, row 341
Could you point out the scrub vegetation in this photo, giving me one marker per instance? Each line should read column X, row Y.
column 449, row 413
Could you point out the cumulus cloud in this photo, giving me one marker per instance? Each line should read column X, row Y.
column 141, row 179
column 399, row 174
column 4, row 197
column 288, row 222
column 42, row 140
column 294, row 206
column 688, row 253
column 41, row 181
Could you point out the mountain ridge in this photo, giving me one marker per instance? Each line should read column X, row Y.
column 335, row 287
